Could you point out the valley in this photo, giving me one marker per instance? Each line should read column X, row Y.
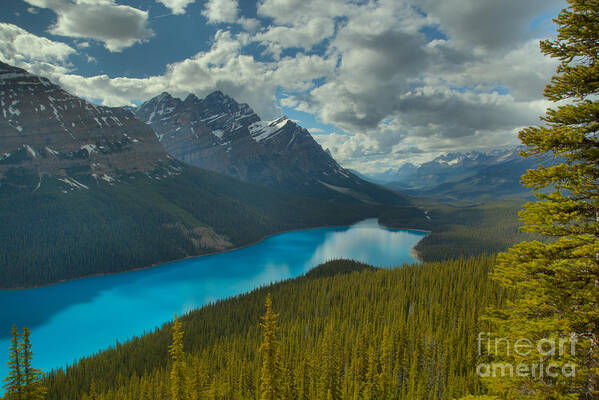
column 86, row 194
column 287, row 200
column 151, row 296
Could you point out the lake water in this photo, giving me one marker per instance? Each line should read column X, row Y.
column 81, row 317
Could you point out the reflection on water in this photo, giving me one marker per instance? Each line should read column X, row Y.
column 79, row 318
column 368, row 243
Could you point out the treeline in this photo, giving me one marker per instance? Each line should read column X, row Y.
column 462, row 230
column 407, row 333
column 48, row 236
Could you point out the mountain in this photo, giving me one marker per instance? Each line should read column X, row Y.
column 221, row 135
column 395, row 174
column 446, row 168
column 47, row 132
column 89, row 190
column 471, row 176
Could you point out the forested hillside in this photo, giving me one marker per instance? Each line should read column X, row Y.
column 47, row 236
column 346, row 331
column 461, row 229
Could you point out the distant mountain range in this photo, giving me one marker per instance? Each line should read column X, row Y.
column 86, row 189
column 446, row 168
column 222, row 135
column 456, row 176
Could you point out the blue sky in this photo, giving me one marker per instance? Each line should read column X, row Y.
column 379, row 83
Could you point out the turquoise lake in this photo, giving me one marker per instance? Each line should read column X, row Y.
column 81, row 317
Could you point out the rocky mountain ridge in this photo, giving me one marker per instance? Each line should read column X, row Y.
column 222, row 135
column 47, row 132
column 446, row 168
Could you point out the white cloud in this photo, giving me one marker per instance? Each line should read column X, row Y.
column 294, row 12
column 117, row 26
column 249, row 24
column 487, row 25
column 227, row 12
column 304, row 36
column 176, row 6
column 222, row 67
column 381, row 78
column 17, row 46
column 221, row 11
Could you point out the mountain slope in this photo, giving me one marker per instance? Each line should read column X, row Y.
column 499, row 179
column 447, row 168
column 88, row 190
column 221, row 135
column 49, row 132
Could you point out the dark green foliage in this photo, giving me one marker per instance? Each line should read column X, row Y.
column 461, row 229
column 13, row 383
column 23, row 381
column 406, row 333
column 336, row 267
column 48, row 236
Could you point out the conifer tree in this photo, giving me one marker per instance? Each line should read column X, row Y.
column 13, row 383
column 93, row 393
column 557, row 281
column 178, row 389
column 33, row 388
column 330, row 376
column 269, row 349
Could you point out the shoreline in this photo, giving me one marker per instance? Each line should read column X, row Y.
column 416, row 254
column 413, row 252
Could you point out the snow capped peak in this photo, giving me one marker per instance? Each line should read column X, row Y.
column 263, row 130
column 159, row 105
column 164, row 96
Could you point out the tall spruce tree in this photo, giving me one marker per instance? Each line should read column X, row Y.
column 557, row 281
column 33, row 388
column 13, row 383
column 178, row 387
column 269, row 350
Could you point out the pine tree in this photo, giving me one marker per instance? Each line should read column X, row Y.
column 178, row 388
column 557, row 281
column 330, row 375
column 13, row 383
column 33, row 388
column 269, row 349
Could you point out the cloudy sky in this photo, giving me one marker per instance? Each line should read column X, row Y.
column 378, row 82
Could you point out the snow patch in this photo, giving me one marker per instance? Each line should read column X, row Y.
column 90, row 148
column 13, row 110
column 108, row 178
column 51, row 151
column 218, row 133
column 73, row 183
column 339, row 189
column 31, row 151
column 263, row 130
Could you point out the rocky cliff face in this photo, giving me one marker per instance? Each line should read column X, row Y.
column 219, row 134
column 46, row 131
